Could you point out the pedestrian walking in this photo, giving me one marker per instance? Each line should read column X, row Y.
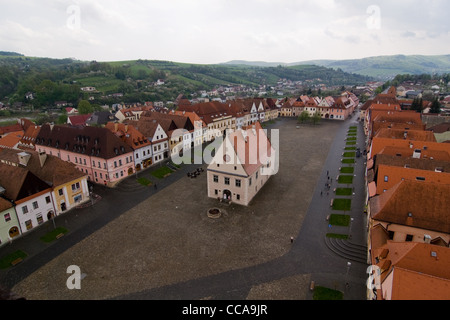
column 292, row 239
column 156, row 187
column 321, row 192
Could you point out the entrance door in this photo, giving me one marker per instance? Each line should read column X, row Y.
column 227, row 195
column 14, row 232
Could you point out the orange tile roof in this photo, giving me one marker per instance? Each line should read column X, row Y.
column 128, row 134
column 379, row 144
column 396, row 174
column 11, row 140
column 408, row 152
column 419, row 271
column 248, row 140
column 406, row 134
column 417, row 204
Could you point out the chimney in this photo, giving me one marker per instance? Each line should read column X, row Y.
column 427, row 238
column 42, row 158
column 24, row 158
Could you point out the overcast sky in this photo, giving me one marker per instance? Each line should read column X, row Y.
column 215, row 31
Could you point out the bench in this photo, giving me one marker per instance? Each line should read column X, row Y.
column 18, row 260
column 59, row 235
column 312, row 285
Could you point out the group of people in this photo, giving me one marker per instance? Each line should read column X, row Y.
column 327, row 184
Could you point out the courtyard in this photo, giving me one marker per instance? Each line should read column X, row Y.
column 168, row 238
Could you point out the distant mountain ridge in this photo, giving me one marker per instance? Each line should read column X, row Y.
column 381, row 67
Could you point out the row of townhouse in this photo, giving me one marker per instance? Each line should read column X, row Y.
column 407, row 188
column 36, row 187
column 337, row 108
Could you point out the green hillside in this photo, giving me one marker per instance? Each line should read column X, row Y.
column 54, row 80
column 387, row 67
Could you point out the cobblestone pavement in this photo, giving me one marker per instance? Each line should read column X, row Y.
column 160, row 244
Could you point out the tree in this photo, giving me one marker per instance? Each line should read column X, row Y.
column 435, row 106
column 417, row 104
column 84, row 107
column 303, row 117
column 316, row 117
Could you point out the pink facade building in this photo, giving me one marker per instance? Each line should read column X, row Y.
column 97, row 152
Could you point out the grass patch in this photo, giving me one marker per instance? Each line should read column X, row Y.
column 345, row 179
column 344, row 191
column 340, row 220
column 144, row 181
column 351, row 134
column 348, row 160
column 160, row 173
column 51, row 236
column 351, row 138
column 5, row 262
column 350, row 148
column 349, row 154
column 347, row 170
column 342, row 204
column 337, row 236
column 323, row 293
column 350, row 143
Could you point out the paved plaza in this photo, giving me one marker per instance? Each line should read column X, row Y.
column 162, row 244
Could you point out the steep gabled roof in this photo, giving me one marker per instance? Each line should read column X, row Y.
column 20, row 183
column 52, row 170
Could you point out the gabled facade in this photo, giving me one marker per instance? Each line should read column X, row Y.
column 69, row 185
column 31, row 196
column 241, row 166
column 9, row 224
column 142, row 147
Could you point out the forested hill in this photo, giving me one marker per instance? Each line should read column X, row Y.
column 53, row 80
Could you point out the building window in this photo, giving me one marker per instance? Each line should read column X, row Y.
column 256, row 175
column 84, row 160
column 386, row 178
column 409, row 237
column 39, row 218
column 227, row 181
column 24, row 209
column 120, row 162
column 216, row 192
column 216, row 178
column 60, row 192
column 115, row 164
column 75, row 186
column 250, row 181
column 238, row 183
column 47, row 199
column 7, row 217
column 238, row 197
column 28, row 224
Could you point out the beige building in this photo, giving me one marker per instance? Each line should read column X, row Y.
column 241, row 166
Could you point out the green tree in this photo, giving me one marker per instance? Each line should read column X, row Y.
column 84, row 107
column 435, row 106
column 303, row 117
column 316, row 117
